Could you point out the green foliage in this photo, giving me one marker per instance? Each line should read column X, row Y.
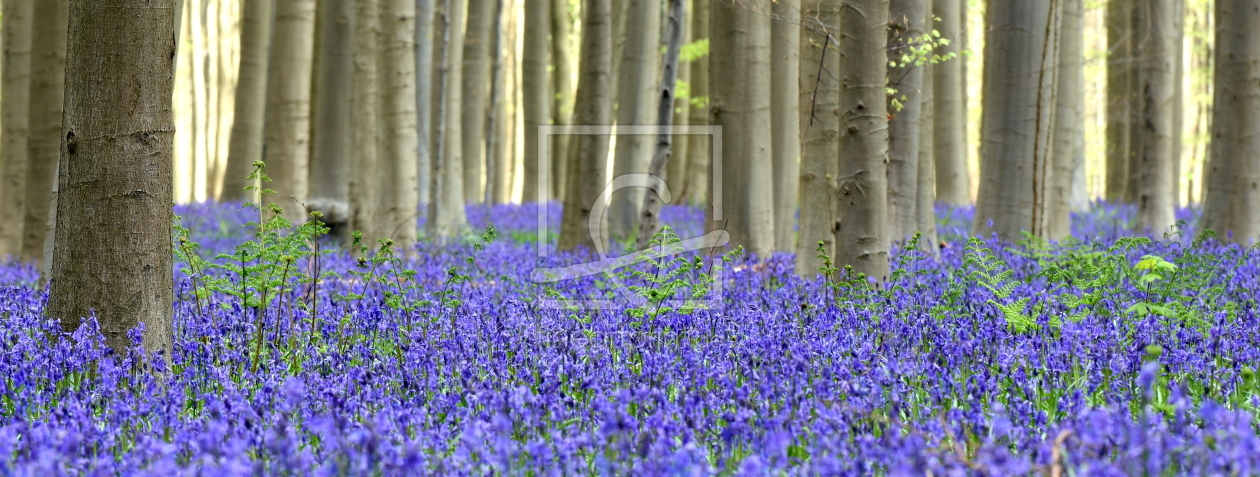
column 916, row 52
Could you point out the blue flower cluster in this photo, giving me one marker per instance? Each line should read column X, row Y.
column 1085, row 358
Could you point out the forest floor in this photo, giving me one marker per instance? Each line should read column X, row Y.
column 1104, row 355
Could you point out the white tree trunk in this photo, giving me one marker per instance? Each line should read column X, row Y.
column 953, row 181
column 397, row 174
column 785, row 39
column 287, row 142
column 257, row 21
column 636, row 92
column 1153, row 155
column 908, row 22
column 820, row 131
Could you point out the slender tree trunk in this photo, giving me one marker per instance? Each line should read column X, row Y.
column 475, row 91
column 649, row 224
column 1069, row 134
column 861, row 225
column 636, row 91
column 15, row 119
column 116, row 156
column 953, row 182
column 1155, row 149
column 446, row 210
column 424, row 92
column 287, row 142
column 48, row 66
column 534, row 92
column 249, row 119
column 698, row 148
column 908, row 22
column 1178, row 28
column 676, row 170
column 588, row 154
column 1119, row 33
column 785, row 39
column 364, row 89
column 562, row 85
column 509, row 112
column 925, row 190
column 1020, row 55
column 494, row 114
column 740, row 62
column 1232, row 194
column 397, row 76
column 820, row 131
column 331, row 112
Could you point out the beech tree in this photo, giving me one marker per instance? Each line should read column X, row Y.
column 953, row 181
column 48, row 73
column 331, row 114
column 446, row 208
column 475, row 92
column 698, row 147
column 1119, row 70
column 364, row 90
column 1231, row 206
column 925, row 186
column 636, row 92
column 588, row 154
column 15, row 87
column 1020, row 55
column 785, row 39
column 1069, row 121
column 1153, row 150
column 397, row 174
column 288, row 131
column 908, row 22
column 820, row 131
column 562, row 92
column 861, row 212
column 116, row 156
column 534, row 92
column 246, row 144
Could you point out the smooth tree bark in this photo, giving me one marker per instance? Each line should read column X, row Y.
column 739, row 78
column 1119, row 69
column 562, row 92
column 536, row 103
column 1153, row 153
column 699, row 158
column 861, row 226
column 48, row 67
column 331, row 114
column 1178, row 58
column 953, row 182
column 649, row 221
column 496, row 110
column 287, row 140
column 785, row 39
column 925, row 187
column 249, row 118
column 820, row 131
column 1233, row 189
column 588, row 154
column 1069, row 120
column 476, row 96
column 446, row 209
column 364, row 132
column 636, row 105
column 908, row 21
column 116, row 157
column 15, row 87
column 1019, row 78
column 397, row 75
column 676, row 169
column 424, row 42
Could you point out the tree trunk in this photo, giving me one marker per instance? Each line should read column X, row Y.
column 820, row 131
column 15, row 120
column 424, row 93
column 509, row 111
column 861, row 226
column 562, row 86
column 397, row 76
column 636, row 92
column 1178, row 58
column 48, row 66
column 287, row 142
column 1020, row 55
column 116, row 157
column 908, row 21
column 330, row 135
column 257, row 20
column 925, row 190
column 649, row 224
column 1154, row 150
column 953, row 182
column 534, row 92
column 364, row 88
column 740, row 62
column 588, row 154
column 1069, row 120
column 676, row 170
column 785, row 39
column 698, row 157
column 446, row 209
column 475, row 91
column 1232, row 193
column 495, row 111
column 1119, row 44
